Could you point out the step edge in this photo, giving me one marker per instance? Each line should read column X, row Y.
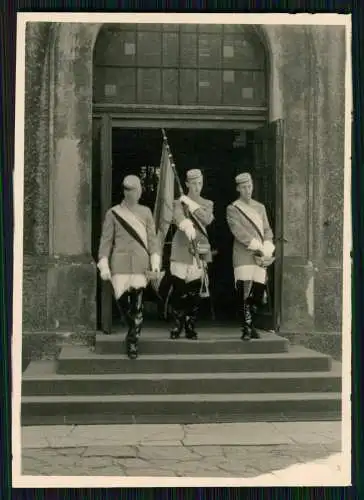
column 146, row 398
column 189, row 377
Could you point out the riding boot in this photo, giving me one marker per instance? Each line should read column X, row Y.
column 136, row 322
column 177, row 303
column 244, row 310
column 192, row 309
column 255, row 301
column 124, row 308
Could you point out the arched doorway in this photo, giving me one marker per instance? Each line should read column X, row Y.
column 208, row 86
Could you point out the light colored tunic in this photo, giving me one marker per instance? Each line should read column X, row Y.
column 183, row 263
column 127, row 259
column 244, row 232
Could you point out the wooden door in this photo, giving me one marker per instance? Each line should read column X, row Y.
column 268, row 186
column 105, row 187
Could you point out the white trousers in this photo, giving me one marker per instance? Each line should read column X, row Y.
column 122, row 282
column 186, row 272
column 250, row 273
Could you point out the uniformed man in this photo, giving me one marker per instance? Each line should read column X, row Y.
column 252, row 252
column 128, row 250
column 191, row 214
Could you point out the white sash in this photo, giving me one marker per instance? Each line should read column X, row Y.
column 253, row 215
column 134, row 221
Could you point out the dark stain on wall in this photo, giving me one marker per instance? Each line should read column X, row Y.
column 36, row 161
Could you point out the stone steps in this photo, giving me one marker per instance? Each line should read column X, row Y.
column 209, row 343
column 218, row 378
column 234, row 406
column 42, row 378
column 79, row 360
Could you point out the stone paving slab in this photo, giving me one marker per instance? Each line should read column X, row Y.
column 244, row 434
column 227, row 461
column 259, row 452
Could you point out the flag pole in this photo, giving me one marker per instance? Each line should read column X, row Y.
column 181, row 193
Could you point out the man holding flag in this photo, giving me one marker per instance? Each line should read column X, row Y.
column 190, row 246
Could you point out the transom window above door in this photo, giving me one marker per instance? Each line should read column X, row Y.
column 187, row 64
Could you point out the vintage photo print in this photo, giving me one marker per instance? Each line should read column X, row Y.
column 182, row 307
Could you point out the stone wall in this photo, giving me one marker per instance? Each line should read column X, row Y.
column 310, row 62
column 36, row 146
column 329, row 176
column 36, row 175
column 59, row 274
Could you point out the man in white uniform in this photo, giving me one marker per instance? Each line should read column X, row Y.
column 252, row 251
column 128, row 249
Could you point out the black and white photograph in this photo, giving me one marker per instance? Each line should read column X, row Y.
column 182, row 307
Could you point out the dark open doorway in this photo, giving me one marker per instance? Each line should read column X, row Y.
column 221, row 155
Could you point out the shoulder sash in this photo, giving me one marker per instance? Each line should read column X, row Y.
column 251, row 215
column 132, row 224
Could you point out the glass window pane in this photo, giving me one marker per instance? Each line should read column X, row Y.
column 247, row 88
column 170, row 86
column 114, row 27
column 209, row 51
column 239, row 53
column 149, row 86
column 188, row 51
column 210, row 28
column 188, row 86
column 188, row 28
column 115, row 85
column 149, row 27
column 116, row 48
column 260, row 88
column 149, row 49
column 170, row 50
column 171, row 27
column 209, row 87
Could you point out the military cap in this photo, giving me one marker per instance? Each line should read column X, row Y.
column 131, row 182
column 193, row 174
column 243, row 178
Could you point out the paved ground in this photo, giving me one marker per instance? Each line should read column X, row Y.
column 215, row 450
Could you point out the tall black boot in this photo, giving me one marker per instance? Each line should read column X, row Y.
column 244, row 310
column 136, row 322
column 177, row 303
column 255, row 301
column 124, row 306
column 192, row 309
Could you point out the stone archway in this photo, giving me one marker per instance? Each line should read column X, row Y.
column 70, row 132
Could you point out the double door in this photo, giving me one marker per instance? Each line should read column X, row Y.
column 119, row 151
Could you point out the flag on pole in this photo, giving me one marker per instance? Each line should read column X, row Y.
column 163, row 208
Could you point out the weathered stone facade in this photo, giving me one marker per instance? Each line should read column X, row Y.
column 306, row 90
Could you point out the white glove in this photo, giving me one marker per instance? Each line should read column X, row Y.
column 105, row 275
column 192, row 205
column 104, row 269
column 188, row 228
column 255, row 245
column 268, row 249
column 155, row 262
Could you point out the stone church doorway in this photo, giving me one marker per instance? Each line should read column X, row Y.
column 207, row 85
column 221, row 155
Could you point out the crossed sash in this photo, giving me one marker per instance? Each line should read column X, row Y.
column 132, row 224
column 252, row 216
